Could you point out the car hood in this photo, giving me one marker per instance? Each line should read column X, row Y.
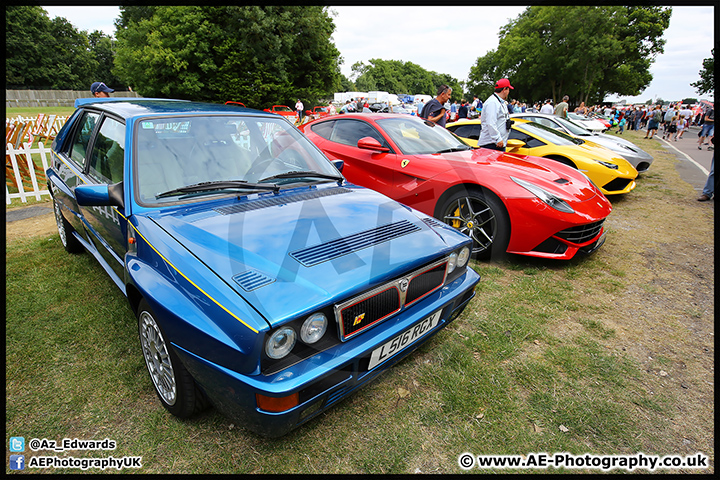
column 307, row 247
column 621, row 146
column 497, row 167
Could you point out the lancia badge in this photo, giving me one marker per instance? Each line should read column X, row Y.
column 404, row 285
column 358, row 319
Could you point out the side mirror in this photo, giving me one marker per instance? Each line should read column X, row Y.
column 515, row 144
column 369, row 143
column 100, row 195
column 339, row 164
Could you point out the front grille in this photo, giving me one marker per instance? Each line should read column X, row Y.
column 617, row 185
column 373, row 306
column 582, row 233
column 425, row 283
column 366, row 312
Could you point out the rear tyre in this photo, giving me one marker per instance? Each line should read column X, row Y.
column 65, row 230
column 173, row 384
column 483, row 218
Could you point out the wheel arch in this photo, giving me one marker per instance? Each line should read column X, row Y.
column 562, row 159
column 464, row 187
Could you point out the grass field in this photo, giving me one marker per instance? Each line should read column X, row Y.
column 607, row 354
column 32, row 112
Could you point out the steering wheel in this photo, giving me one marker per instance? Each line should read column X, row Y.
column 259, row 167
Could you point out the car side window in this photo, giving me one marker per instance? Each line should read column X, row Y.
column 546, row 122
column 78, row 150
column 324, row 129
column 108, row 155
column 468, row 131
column 530, row 141
column 348, row 132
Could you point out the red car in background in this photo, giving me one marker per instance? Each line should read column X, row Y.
column 505, row 202
column 283, row 110
column 318, row 112
column 239, row 104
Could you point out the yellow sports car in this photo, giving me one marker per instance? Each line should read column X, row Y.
column 611, row 173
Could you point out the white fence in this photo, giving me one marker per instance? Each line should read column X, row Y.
column 19, row 166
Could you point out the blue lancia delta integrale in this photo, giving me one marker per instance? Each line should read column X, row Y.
column 263, row 283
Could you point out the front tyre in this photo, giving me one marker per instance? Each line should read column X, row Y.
column 483, row 218
column 173, row 384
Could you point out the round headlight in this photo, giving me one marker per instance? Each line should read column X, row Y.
column 280, row 343
column 463, row 257
column 452, row 261
column 313, row 328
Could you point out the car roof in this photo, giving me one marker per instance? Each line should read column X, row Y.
column 136, row 107
column 372, row 116
column 477, row 120
column 533, row 114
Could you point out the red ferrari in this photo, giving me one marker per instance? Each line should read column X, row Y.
column 505, row 202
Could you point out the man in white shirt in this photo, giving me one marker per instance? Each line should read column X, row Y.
column 299, row 110
column 547, row 108
column 495, row 119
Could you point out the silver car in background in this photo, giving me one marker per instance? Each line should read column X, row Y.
column 638, row 157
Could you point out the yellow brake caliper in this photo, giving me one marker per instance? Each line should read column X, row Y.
column 456, row 223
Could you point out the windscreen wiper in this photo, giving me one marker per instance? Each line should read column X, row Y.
column 304, row 174
column 219, row 185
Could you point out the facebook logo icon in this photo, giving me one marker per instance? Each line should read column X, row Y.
column 17, row 462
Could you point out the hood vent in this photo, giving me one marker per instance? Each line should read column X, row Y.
column 562, row 181
column 276, row 200
column 343, row 246
column 432, row 222
column 252, row 280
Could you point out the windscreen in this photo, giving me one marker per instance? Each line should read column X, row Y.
column 173, row 152
column 415, row 136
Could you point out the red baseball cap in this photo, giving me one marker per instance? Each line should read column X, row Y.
column 504, row 82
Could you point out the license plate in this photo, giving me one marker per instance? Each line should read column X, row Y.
column 404, row 339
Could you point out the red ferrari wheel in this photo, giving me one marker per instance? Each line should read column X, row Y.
column 482, row 218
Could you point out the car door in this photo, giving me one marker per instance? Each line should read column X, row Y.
column 105, row 225
column 529, row 140
column 68, row 166
column 369, row 168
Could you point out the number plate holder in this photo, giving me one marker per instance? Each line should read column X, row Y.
column 402, row 340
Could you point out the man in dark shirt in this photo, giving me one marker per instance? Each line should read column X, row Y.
column 463, row 110
column 434, row 110
column 708, row 128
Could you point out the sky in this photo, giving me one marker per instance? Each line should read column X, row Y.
column 455, row 38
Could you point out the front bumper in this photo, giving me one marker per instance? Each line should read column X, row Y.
column 540, row 231
column 329, row 376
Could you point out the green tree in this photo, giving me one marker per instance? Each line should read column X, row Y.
column 52, row 54
column 74, row 66
column 396, row 76
column 254, row 54
column 706, row 84
column 28, row 59
column 103, row 49
column 586, row 52
column 346, row 85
